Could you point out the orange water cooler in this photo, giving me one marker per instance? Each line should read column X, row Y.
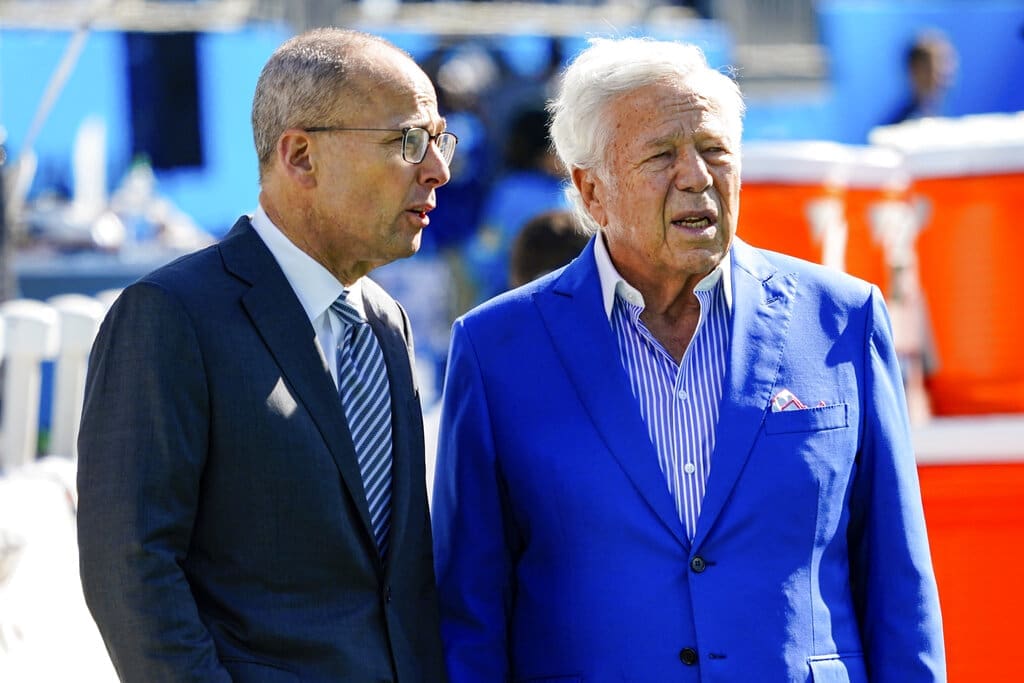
column 972, row 487
column 968, row 181
column 792, row 197
column 881, row 222
column 824, row 202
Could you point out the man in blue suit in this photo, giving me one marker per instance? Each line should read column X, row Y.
column 679, row 458
column 237, row 522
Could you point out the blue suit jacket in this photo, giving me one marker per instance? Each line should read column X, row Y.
column 560, row 554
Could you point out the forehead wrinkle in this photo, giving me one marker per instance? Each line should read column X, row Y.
column 667, row 103
column 677, row 128
column 403, row 105
column 433, row 125
column 427, row 115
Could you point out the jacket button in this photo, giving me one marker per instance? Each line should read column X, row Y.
column 698, row 564
column 387, row 594
column 688, row 656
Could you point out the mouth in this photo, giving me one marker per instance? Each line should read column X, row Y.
column 422, row 210
column 420, row 213
column 695, row 221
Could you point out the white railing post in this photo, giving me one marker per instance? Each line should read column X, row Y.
column 107, row 297
column 31, row 338
column 79, row 318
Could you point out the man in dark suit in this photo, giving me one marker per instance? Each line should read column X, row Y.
column 238, row 520
column 679, row 458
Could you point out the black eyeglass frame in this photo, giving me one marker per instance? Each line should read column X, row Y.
column 436, row 139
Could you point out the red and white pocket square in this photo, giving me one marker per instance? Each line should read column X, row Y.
column 787, row 400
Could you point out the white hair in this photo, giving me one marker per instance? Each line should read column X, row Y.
column 610, row 68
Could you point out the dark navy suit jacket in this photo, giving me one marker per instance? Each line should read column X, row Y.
column 560, row 554
column 223, row 527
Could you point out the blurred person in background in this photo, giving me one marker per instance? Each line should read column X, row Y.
column 531, row 183
column 251, row 472
column 465, row 74
column 681, row 457
column 547, row 242
column 931, row 65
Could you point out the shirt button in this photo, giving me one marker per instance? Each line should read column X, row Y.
column 682, row 394
column 689, row 468
column 688, row 656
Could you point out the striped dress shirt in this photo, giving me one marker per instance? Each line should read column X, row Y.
column 679, row 403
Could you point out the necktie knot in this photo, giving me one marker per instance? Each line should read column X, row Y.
column 348, row 313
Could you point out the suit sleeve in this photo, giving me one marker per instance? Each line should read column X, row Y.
column 891, row 570
column 142, row 448
column 472, row 552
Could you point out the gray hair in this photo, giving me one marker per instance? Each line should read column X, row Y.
column 610, row 68
column 305, row 83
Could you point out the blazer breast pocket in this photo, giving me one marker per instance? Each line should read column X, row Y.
column 814, row 419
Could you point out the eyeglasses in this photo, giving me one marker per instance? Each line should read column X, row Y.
column 415, row 141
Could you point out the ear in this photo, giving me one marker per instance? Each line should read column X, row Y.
column 295, row 156
column 591, row 189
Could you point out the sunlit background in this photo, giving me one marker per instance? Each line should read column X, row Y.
column 126, row 142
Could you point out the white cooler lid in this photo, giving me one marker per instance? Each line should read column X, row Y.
column 823, row 163
column 980, row 144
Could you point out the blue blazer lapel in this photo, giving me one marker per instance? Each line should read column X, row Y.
column 282, row 323
column 573, row 311
column 761, row 312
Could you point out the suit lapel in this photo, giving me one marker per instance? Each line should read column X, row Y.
column 403, row 388
column 762, row 308
column 574, row 314
column 282, row 323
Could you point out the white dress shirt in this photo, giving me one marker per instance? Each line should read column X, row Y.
column 679, row 402
column 315, row 287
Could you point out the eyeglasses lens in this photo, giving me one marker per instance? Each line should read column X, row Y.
column 446, row 144
column 417, row 140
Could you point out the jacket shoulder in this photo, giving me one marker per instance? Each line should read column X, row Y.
column 812, row 276
column 514, row 302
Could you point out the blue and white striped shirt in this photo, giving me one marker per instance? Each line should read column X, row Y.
column 679, row 403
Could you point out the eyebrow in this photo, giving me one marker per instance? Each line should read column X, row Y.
column 701, row 133
column 660, row 141
column 428, row 124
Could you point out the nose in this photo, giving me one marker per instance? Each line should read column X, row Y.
column 692, row 174
column 433, row 169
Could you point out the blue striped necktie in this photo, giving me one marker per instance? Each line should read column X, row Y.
column 366, row 399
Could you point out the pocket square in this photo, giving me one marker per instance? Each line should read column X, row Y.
column 787, row 400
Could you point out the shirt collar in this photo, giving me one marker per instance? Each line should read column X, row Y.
column 612, row 283
column 314, row 285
